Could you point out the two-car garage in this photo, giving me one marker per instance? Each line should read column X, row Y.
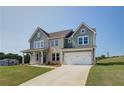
column 77, row 58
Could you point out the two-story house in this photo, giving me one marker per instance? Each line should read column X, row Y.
column 63, row 47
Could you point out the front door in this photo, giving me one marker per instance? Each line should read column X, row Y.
column 39, row 58
column 44, row 58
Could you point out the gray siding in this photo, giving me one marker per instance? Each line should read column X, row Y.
column 63, row 42
column 42, row 37
column 74, row 40
column 67, row 43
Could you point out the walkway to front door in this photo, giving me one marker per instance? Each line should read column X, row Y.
column 66, row 75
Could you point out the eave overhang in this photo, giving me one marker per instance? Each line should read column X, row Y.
column 33, row 50
column 78, row 49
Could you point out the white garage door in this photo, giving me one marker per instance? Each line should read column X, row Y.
column 77, row 58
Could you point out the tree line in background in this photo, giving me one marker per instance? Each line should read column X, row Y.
column 100, row 57
column 105, row 57
column 14, row 56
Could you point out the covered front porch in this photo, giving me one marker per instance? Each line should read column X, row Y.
column 37, row 56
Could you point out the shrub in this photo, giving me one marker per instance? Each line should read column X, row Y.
column 101, row 57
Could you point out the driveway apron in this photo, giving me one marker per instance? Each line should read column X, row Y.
column 66, row 75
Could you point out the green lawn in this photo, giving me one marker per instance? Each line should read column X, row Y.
column 107, row 72
column 15, row 75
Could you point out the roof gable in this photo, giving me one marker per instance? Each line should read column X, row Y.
column 38, row 29
column 83, row 24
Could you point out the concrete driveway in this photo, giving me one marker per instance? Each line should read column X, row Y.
column 66, row 75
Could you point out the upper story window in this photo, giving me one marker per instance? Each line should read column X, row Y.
column 39, row 44
column 54, row 42
column 82, row 31
column 80, row 40
column 83, row 40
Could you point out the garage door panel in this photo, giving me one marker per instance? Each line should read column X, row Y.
column 77, row 58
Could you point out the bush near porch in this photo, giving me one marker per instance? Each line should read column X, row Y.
column 15, row 75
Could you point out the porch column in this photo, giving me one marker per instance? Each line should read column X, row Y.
column 33, row 58
column 41, row 57
column 23, row 58
column 30, row 61
column 61, row 57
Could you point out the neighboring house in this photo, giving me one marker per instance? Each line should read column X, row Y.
column 63, row 47
column 8, row 62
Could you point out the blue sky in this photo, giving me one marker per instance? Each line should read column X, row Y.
column 18, row 23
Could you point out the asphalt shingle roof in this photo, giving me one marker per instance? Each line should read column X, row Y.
column 58, row 34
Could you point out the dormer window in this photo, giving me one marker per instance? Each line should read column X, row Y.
column 82, row 31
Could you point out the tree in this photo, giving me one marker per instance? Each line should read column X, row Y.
column 2, row 55
column 27, row 58
column 19, row 58
column 102, row 56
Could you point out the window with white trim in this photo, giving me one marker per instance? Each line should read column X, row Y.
column 55, row 56
column 80, row 40
column 42, row 44
column 82, row 31
column 86, row 40
column 54, row 43
column 39, row 44
column 83, row 40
